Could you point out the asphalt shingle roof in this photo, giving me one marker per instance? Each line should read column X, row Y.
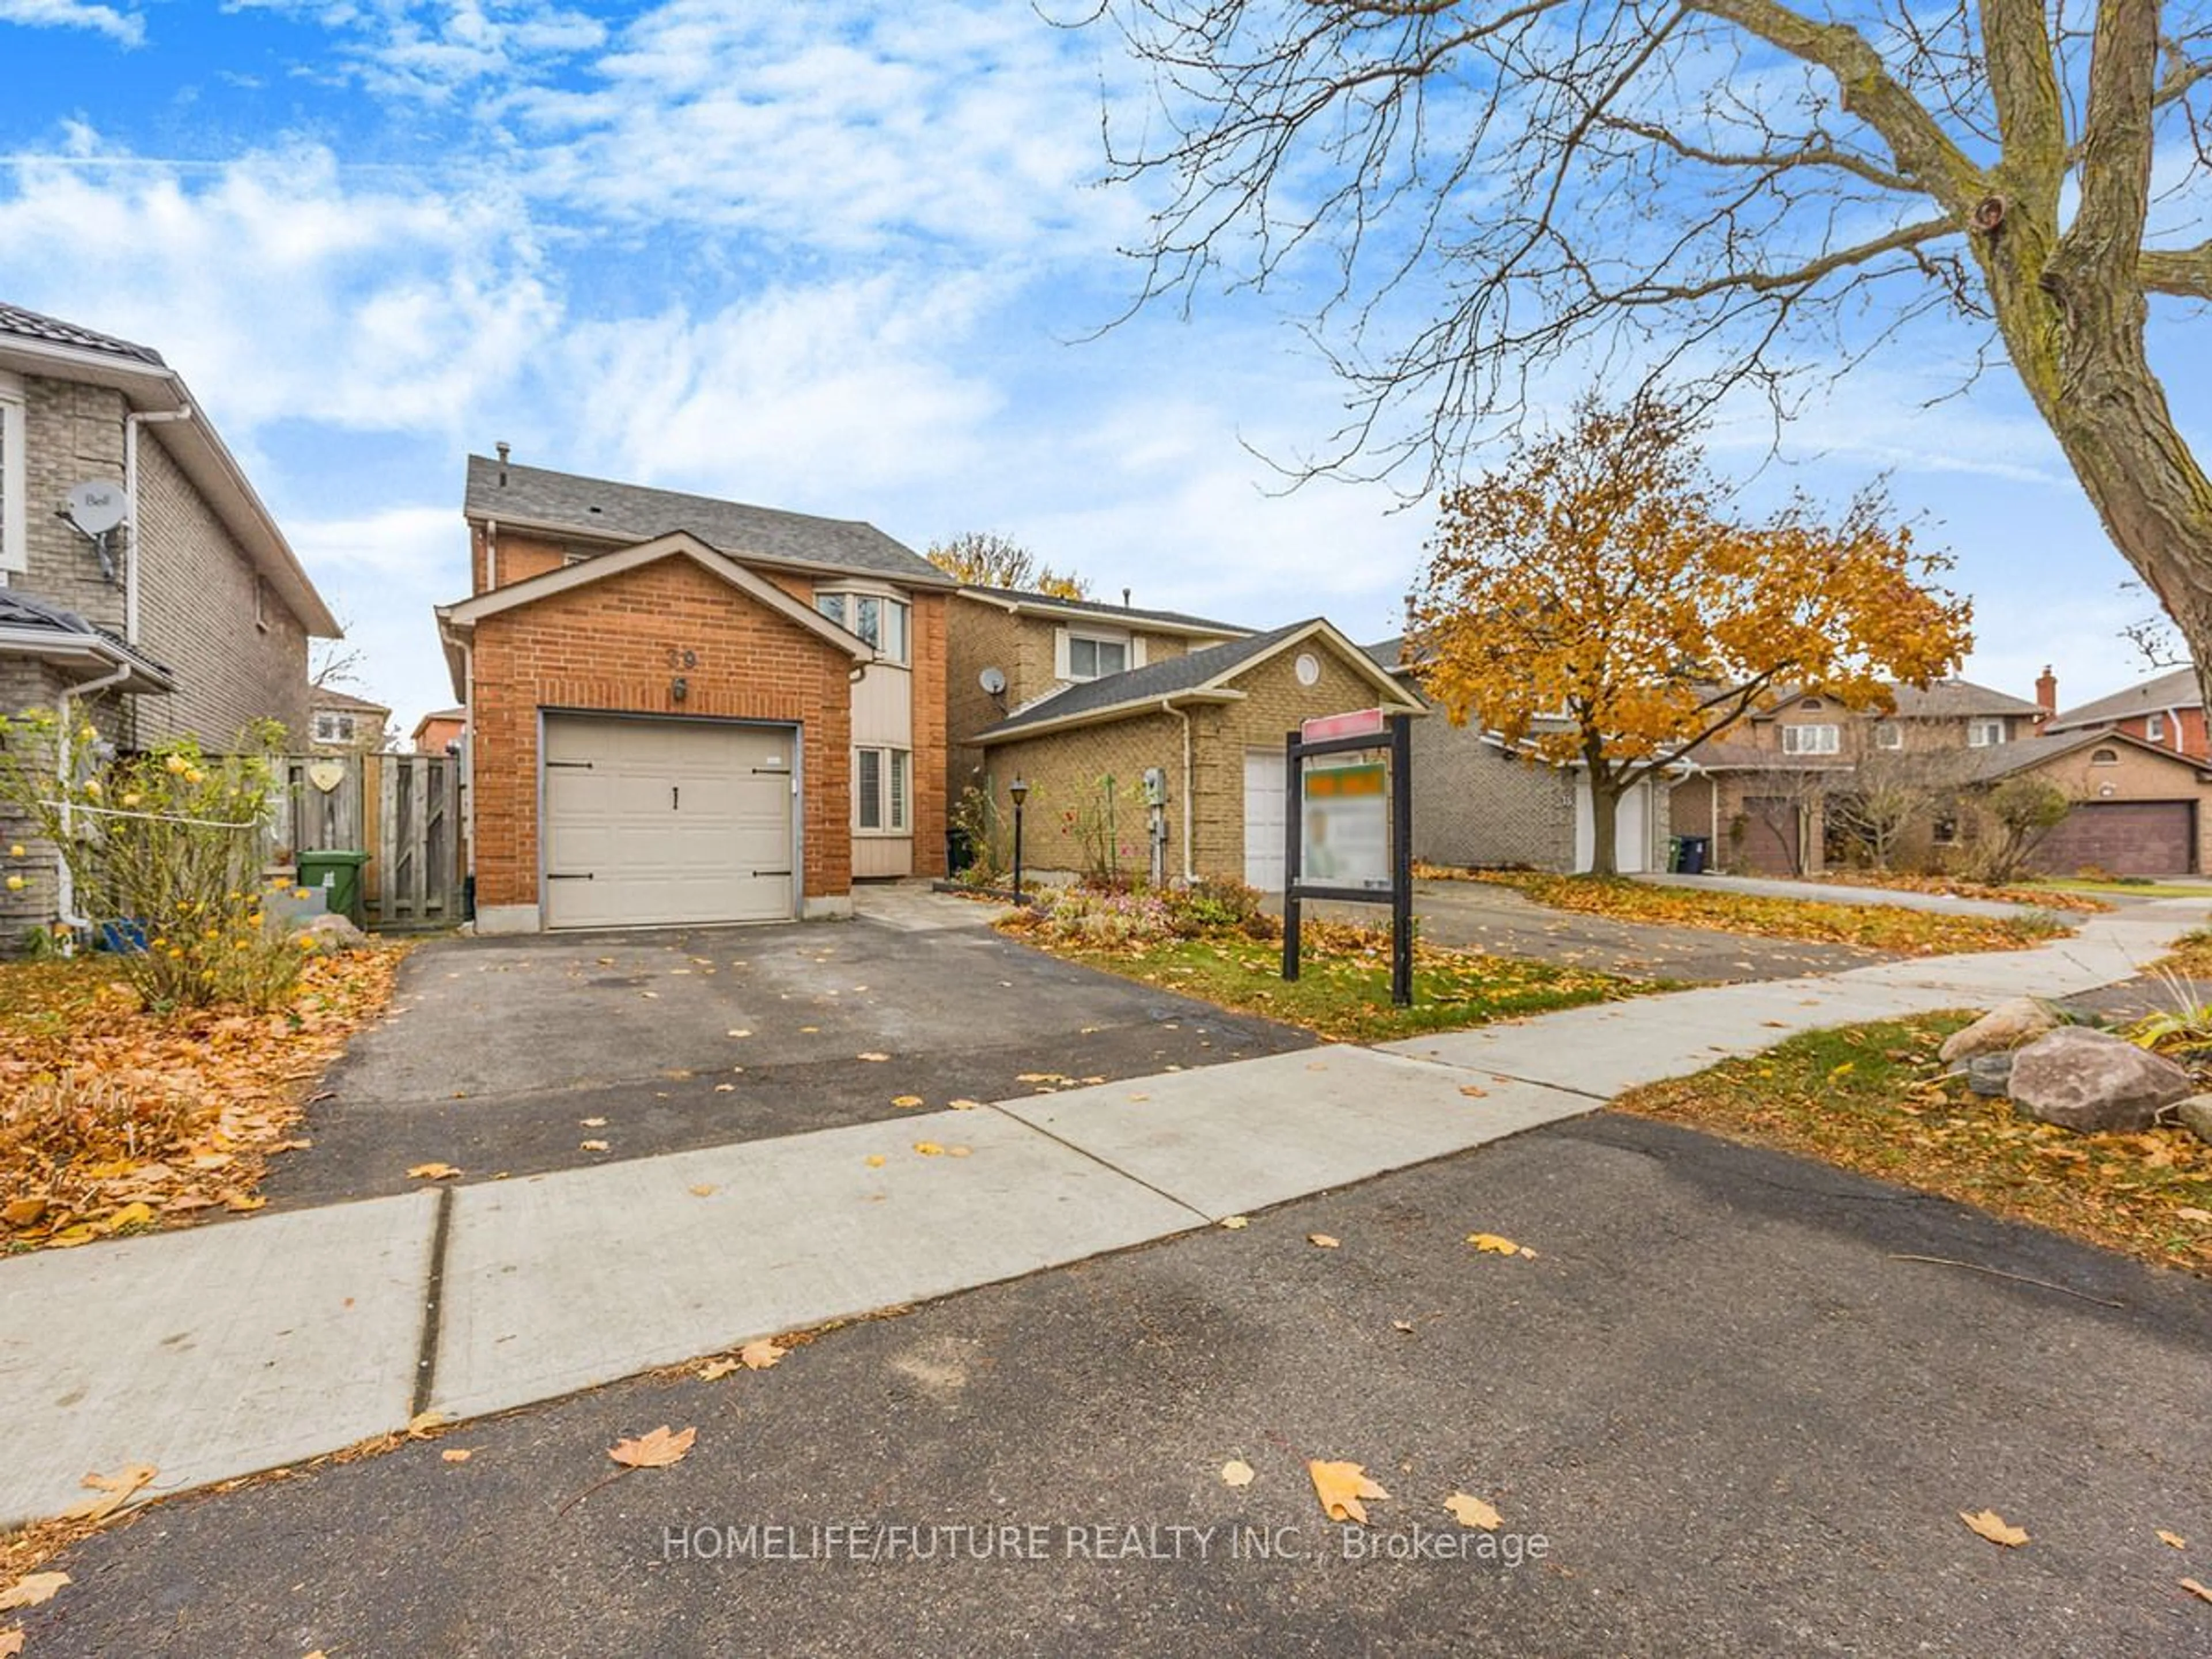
column 325, row 696
column 599, row 506
column 1956, row 699
column 2175, row 690
column 1104, row 610
column 21, row 611
column 1163, row 678
column 35, row 325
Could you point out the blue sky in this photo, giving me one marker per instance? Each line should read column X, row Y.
column 834, row 257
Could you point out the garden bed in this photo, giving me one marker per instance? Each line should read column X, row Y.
column 1875, row 1098
column 1873, row 926
column 116, row 1120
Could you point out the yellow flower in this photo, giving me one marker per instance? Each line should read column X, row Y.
column 176, row 952
column 299, row 892
column 16, row 850
column 176, row 763
column 132, row 799
column 243, row 945
column 195, row 775
column 14, row 883
column 212, row 932
column 92, row 787
column 159, row 942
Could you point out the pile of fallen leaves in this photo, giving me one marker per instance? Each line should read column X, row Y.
column 1874, row 926
column 114, row 1119
column 2045, row 898
column 1875, row 1098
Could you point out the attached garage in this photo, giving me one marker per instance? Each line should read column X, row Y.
column 1632, row 830
column 654, row 822
column 2127, row 837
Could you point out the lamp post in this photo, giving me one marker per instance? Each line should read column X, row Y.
column 1019, row 790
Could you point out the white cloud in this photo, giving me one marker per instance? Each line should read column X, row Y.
column 381, row 574
column 431, row 52
column 125, row 28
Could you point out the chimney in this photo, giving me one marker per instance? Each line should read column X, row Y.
column 2046, row 691
column 506, row 449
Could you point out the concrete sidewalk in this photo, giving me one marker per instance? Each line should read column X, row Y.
column 218, row 1352
column 1840, row 892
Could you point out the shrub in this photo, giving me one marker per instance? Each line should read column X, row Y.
column 1087, row 916
column 1214, row 905
column 165, row 843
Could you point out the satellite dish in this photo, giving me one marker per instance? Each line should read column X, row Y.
column 96, row 506
column 993, row 680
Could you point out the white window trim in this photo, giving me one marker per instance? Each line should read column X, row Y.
column 2154, row 727
column 341, row 721
column 1984, row 734
column 897, row 809
column 1794, row 739
column 1063, row 667
column 849, row 591
column 15, row 438
column 1887, row 736
column 2104, row 757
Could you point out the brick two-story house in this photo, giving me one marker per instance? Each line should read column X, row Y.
column 191, row 615
column 682, row 710
column 2165, row 711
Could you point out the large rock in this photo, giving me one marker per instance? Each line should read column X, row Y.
column 2089, row 1080
column 2006, row 1026
column 332, row 933
column 2195, row 1114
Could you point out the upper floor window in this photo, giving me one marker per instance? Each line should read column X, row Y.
column 2154, row 728
column 2104, row 757
column 883, row 622
column 14, row 539
column 333, row 725
column 1091, row 657
column 1985, row 734
column 1887, row 736
column 1810, row 739
column 1809, row 703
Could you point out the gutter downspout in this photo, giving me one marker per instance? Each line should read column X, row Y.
column 1189, row 776
column 132, row 422
column 65, row 883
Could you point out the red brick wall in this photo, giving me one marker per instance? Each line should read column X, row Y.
column 606, row 646
column 2190, row 734
column 931, row 652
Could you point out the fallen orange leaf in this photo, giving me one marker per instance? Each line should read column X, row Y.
column 1473, row 1512
column 656, row 1451
column 115, row 1490
column 1988, row 1524
column 457, row 1453
column 33, row 1591
column 1341, row 1487
column 433, row 1172
column 1323, row 1241
column 759, row 1356
column 2196, row 1589
column 715, row 1369
column 2172, row 1538
column 909, row 1101
column 1235, row 1473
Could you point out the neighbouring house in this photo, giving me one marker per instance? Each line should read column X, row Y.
column 2139, row 808
column 340, row 723
column 1483, row 804
column 439, row 731
column 1757, row 791
column 1008, row 649
column 687, row 710
column 1209, row 723
column 2167, row 711
column 145, row 584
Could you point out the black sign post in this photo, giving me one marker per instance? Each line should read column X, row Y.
column 1398, row 746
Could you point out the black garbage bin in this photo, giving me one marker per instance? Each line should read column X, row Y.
column 1694, row 851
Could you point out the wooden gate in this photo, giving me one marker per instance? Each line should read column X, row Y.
column 403, row 811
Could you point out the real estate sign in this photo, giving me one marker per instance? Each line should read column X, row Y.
column 1346, row 840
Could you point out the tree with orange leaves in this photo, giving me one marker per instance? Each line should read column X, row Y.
column 1593, row 600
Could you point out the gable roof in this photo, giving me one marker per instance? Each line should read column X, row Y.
column 2002, row 760
column 457, row 621
column 1023, row 600
column 33, row 627
column 1197, row 675
column 2178, row 689
column 36, row 326
column 600, row 509
column 34, row 344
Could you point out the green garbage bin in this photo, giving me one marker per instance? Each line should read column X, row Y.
column 338, row 873
column 1673, row 855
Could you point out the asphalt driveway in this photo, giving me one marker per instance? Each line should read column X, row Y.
column 1739, row 1417
column 504, row 1056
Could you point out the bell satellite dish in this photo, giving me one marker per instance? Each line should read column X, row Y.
column 96, row 506
column 993, row 680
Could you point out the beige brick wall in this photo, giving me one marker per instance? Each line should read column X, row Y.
column 1065, row 770
column 1476, row 805
column 74, row 433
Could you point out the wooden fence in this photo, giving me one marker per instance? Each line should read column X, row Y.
column 403, row 811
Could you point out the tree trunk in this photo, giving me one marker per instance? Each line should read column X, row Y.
column 1605, row 822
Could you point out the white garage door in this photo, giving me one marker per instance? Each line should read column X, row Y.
column 1263, row 819
column 1631, row 846
column 651, row 822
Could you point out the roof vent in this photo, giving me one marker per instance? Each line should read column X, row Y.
column 505, row 450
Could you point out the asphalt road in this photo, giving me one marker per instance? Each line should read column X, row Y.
column 1739, row 1423
column 498, row 1050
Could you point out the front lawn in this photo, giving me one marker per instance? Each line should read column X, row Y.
column 1875, row 1098
column 1343, row 989
column 115, row 1120
column 1876, row 926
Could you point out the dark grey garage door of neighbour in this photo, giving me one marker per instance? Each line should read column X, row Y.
column 2127, row 837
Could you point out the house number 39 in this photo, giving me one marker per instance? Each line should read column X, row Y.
column 678, row 657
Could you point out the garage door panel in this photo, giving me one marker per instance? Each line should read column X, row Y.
column 1265, row 831
column 659, row 822
column 2129, row 838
